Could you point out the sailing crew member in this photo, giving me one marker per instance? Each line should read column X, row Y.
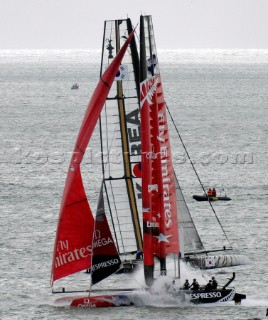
column 209, row 192
column 214, row 193
column 139, row 255
column 194, row 285
column 186, row 285
column 208, row 286
column 170, row 288
column 174, row 289
column 214, row 283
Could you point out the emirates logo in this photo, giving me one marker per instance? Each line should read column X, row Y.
column 148, row 88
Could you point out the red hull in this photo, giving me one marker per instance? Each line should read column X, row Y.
column 101, row 301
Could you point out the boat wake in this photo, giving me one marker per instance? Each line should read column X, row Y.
column 157, row 300
column 162, row 294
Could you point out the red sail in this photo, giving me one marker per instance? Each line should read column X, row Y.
column 73, row 244
column 158, row 184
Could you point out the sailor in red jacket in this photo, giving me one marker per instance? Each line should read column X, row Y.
column 209, row 192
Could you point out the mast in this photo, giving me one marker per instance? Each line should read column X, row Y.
column 125, row 145
column 148, row 258
column 121, row 141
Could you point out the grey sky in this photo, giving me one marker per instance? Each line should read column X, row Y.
column 56, row 24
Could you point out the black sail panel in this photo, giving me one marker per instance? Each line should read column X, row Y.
column 105, row 258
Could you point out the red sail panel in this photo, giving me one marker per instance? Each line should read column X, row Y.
column 73, row 244
column 159, row 192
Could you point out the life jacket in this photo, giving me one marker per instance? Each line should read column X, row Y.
column 209, row 192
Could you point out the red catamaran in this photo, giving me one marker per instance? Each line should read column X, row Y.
column 140, row 186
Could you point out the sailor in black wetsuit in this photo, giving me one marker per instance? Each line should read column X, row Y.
column 195, row 285
column 208, row 286
column 139, row 255
column 186, row 285
column 214, row 283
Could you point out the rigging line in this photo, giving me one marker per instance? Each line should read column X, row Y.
column 105, row 188
column 116, row 218
column 111, row 214
column 112, row 139
column 107, row 164
column 107, row 167
column 173, row 121
column 104, row 168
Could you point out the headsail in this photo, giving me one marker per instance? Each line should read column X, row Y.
column 190, row 241
column 105, row 258
column 73, row 244
column 160, row 223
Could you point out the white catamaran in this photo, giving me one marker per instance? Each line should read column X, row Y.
column 147, row 211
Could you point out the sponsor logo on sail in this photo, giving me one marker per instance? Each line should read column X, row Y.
column 105, row 264
column 102, row 242
column 148, row 88
column 99, row 240
column 151, row 224
column 165, row 169
column 70, row 256
column 134, row 132
column 134, row 139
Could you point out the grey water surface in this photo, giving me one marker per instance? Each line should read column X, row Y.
column 219, row 101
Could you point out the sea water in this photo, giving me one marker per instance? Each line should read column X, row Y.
column 219, row 103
